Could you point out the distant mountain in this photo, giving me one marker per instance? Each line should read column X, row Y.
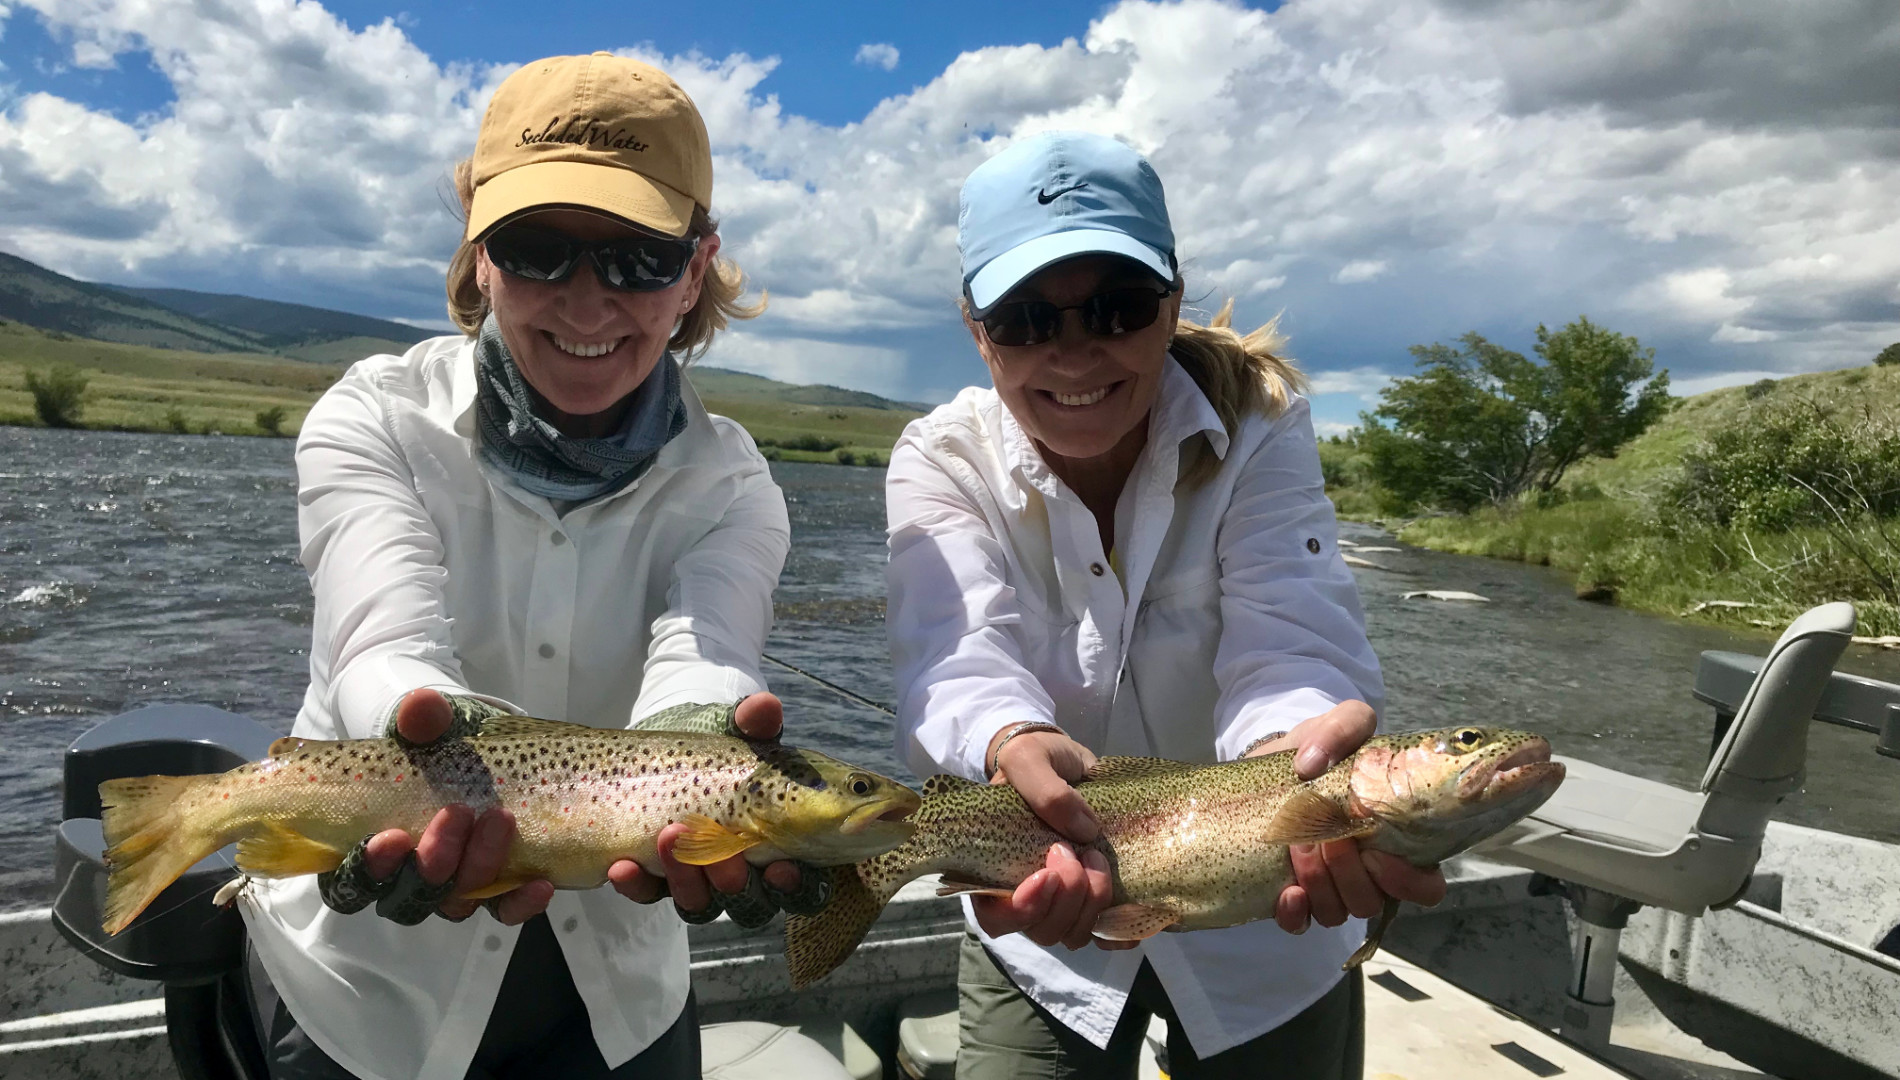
column 195, row 321
column 279, row 324
column 744, row 386
column 36, row 296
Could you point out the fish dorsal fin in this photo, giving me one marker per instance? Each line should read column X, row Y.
column 1307, row 817
column 290, row 744
column 944, row 783
column 497, row 727
column 1133, row 768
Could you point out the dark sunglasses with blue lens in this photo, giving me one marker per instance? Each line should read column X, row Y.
column 631, row 264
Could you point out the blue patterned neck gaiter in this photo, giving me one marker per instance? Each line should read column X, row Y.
column 534, row 453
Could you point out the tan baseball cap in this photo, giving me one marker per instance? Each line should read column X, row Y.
column 598, row 132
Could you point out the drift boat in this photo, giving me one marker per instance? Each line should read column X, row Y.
column 1625, row 929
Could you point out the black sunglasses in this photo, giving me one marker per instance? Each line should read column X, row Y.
column 636, row 264
column 1106, row 314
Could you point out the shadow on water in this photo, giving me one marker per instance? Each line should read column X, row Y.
column 137, row 569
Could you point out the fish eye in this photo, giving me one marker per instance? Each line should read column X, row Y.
column 860, row 784
column 1468, row 737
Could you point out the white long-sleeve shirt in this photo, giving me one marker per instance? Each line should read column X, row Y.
column 430, row 569
column 1232, row 616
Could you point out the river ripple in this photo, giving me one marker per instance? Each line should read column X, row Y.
column 137, row 569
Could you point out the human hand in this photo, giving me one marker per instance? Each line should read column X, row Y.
column 458, row 852
column 1337, row 879
column 701, row 892
column 1060, row 902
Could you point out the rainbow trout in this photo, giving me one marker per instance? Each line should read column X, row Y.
column 582, row 798
column 1193, row 847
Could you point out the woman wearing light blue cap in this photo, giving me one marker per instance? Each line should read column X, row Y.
column 1125, row 547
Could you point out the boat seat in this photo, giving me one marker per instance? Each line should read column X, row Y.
column 750, row 1050
column 1685, row 851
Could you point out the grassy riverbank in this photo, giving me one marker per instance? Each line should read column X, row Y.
column 1612, row 525
column 139, row 388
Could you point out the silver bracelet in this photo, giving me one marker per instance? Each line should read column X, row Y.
column 1022, row 728
column 1262, row 741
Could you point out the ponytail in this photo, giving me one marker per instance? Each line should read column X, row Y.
column 1239, row 375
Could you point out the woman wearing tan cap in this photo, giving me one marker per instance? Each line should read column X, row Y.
column 537, row 517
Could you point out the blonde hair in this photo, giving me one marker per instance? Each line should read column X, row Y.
column 719, row 294
column 1241, row 376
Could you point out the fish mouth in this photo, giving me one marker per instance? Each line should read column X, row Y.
column 1526, row 766
column 891, row 811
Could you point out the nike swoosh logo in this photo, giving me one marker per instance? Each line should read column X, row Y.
column 1045, row 196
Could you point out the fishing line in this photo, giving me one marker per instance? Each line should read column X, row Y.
column 831, row 686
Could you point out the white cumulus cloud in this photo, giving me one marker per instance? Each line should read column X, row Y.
column 1360, row 270
column 878, row 55
column 1715, row 178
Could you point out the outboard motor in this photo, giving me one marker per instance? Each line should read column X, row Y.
column 183, row 940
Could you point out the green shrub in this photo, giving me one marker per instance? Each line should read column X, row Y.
column 271, row 420
column 1784, row 464
column 770, row 450
column 1758, row 390
column 175, row 420
column 59, row 396
column 1889, row 356
column 844, row 457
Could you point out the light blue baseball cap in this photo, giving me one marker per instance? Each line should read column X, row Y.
column 1053, row 197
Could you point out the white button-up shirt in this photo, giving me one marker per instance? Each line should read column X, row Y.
column 1233, row 616
column 429, row 569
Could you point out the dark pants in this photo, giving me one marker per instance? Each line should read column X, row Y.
column 538, row 1027
column 1005, row 1035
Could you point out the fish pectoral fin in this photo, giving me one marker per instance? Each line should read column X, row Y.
column 1374, row 935
column 944, row 782
column 955, row 886
column 1307, row 817
column 705, row 841
column 277, row 850
column 1134, row 922
column 1132, row 768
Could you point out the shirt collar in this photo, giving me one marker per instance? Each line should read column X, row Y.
column 462, row 386
column 1180, row 411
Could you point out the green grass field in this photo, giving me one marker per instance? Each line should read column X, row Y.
column 1602, row 529
column 139, row 388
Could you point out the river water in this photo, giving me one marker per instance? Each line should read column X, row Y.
column 138, row 569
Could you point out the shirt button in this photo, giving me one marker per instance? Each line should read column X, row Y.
column 546, row 651
column 572, row 924
column 1096, row 569
column 491, row 943
column 1312, row 544
column 559, row 539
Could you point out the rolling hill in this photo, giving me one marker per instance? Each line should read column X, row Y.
column 193, row 321
column 285, row 327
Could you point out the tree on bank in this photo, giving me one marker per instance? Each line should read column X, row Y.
column 1889, row 356
column 1481, row 423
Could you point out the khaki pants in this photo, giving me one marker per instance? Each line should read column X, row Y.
column 1006, row 1036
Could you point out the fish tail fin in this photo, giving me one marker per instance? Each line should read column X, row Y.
column 151, row 837
column 817, row 944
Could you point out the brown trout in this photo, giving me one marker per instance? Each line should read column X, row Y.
column 1194, row 847
column 582, row 798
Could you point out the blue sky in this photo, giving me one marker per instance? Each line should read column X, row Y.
column 1716, row 179
column 817, row 43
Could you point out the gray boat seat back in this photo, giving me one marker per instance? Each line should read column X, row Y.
column 750, row 1050
column 1763, row 757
